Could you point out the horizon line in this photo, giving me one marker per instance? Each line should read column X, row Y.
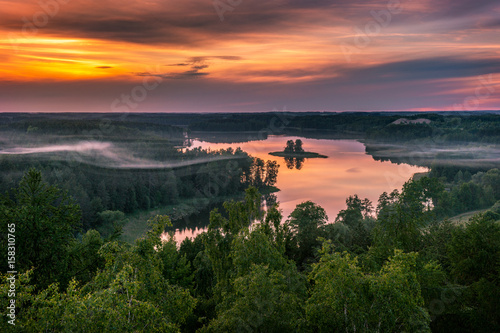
column 245, row 112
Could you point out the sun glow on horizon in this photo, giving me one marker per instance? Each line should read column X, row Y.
column 314, row 56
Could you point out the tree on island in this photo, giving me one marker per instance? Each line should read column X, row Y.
column 298, row 146
column 294, row 147
column 290, row 146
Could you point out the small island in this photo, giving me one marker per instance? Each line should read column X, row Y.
column 295, row 150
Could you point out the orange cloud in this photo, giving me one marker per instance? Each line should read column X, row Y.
column 291, row 48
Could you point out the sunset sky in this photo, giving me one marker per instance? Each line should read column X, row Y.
column 247, row 55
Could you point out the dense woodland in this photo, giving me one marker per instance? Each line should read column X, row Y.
column 396, row 265
column 372, row 126
column 106, row 191
column 101, row 191
column 390, row 267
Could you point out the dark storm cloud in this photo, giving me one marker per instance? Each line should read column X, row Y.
column 197, row 23
column 421, row 69
column 142, row 30
column 455, row 8
column 407, row 70
column 490, row 24
column 174, row 22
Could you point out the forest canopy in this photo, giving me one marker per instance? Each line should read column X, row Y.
column 394, row 267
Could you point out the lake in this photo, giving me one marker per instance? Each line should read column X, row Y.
column 348, row 170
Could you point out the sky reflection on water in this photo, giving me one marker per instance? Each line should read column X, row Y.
column 328, row 181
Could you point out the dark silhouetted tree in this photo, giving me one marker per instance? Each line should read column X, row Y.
column 290, row 146
column 298, row 146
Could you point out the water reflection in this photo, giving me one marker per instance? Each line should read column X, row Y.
column 328, row 181
column 294, row 162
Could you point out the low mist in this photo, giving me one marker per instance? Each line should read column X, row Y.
column 104, row 154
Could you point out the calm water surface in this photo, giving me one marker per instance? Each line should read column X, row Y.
column 328, row 181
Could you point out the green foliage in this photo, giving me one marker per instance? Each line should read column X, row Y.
column 202, row 274
column 353, row 225
column 267, row 291
column 264, row 300
column 306, row 224
column 85, row 257
column 110, row 223
column 495, row 210
column 467, row 192
column 474, row 253
column 23, row 299
column 356, row 210
column 176, row 268
column 344, row 298
column 257, row 287
column 256, row 248
column 45, row 223
column 241, row 275
column 127, row 294
column 207, row 174
column 435, row 239
column 222, row 231
column 492, row 178
column 114, row 308
column 401, row 216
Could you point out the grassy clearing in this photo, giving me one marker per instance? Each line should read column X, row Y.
column 137, row 223
column 465, row 217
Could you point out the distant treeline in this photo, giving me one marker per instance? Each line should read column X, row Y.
column 381, row 126
column 89, row 128
column 374, row 126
